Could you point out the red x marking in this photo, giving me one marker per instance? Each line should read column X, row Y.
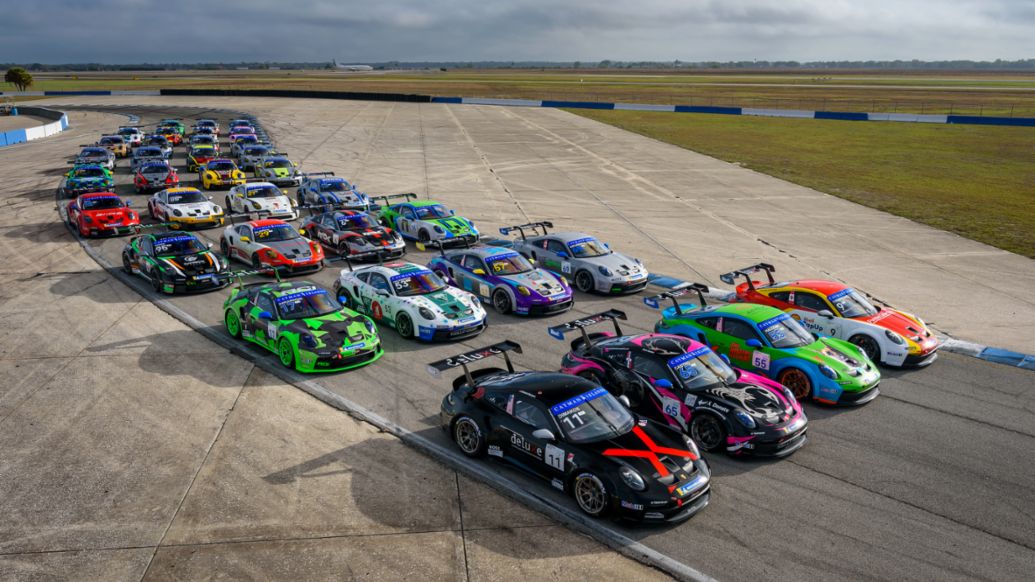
column 652, row 454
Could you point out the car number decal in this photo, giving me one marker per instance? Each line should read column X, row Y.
column 670, row 406
column 555, row 457
column 566, row 267
column 760, row 360
column 271, row 330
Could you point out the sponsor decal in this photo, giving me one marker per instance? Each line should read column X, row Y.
column 562, row 407
column 670, row 406
column 773, row 321
column 495, row 451
column 557, row 484
column 840, row 294
column 526, row 446
column 690, row 400
column 566, row 267
column 580, row 241
column 555, row 457
column 299, row 295
column 739, row 353
column 632, row 506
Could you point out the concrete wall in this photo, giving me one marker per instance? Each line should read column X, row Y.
column 15, row 136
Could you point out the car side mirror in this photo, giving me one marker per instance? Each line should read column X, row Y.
column 562, row 255
column 725, row 358
column 825, row 313
column 266, row 315
column 754, row 343
column 479, row 272
column 663, row 383
column 625, row 401
column 246, row 239
column 544, row 434
column 815, row 335
column 129, row 203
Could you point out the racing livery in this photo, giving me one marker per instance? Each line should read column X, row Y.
column 170, row 133
column 413, row 300
column 161, row 142
column 767, row 341
column 115, row 144
column 185, row 208
column 198, row 155
column 101, row 214
column 353, row 234
column 219, row 173
column 575, row 435
column 95, row 155
column 828, row 308
column 426, row 220
column 154, row 174
column 131, row 134
column 86, row 178
column 592, row 264
column 271, row 243
column 175, row 124
column 144, row 154
column 316, row 190
column 175, row 263
column 240, row 131
column 261, row 199
column 250, row 154
column 680, row 382
column 278, row 169
column 242, row 141
column 204, row 139
column 303, row 324
column 209, row 124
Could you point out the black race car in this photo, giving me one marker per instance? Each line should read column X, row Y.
column 353, row 234
column 576, row 435
column 175, row 262
column 680, row 382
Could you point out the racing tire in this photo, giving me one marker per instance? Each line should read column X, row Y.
column 225, row 249
column 233, row 324
column 708, row 432
column 798, row 382
column 343, row 249
column 584, row 281
column 501, row 302
column 151, row 211
column 156, row 284
column 423, row 236
column 404, row 325
column 592, row 376
column 469, row 437
column 226, row 201
column 591, row 494
column 343, row 297
column 256, row 263
column 126, row 267
column 286, row 353
column 868, row 345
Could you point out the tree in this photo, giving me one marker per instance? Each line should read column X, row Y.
column 18, row 77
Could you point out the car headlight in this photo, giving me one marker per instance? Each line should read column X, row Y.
column 691, row 446
column 828, row 371
column 370, row 324
column 894, row 337
column 438, row 229
column 604, row 271
column 744, row 418
column 632, row 479
column 177, row 213
column 217, row 209
column 256, row 205
column 426, row 313
column 523, row 290
column 271, row 253
column 564, row 280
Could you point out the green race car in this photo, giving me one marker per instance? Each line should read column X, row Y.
column 176, row 124
column 767, row 341
column 303, row 324
column 426, row 220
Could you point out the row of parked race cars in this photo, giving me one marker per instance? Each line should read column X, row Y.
column 618, row 427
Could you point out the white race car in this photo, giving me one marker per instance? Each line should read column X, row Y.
column 413, row 300
column 185, row 208
column 262, row 199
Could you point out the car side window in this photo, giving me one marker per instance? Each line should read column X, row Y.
column 243, row 231
column 781, row 295
column 809, row 301
column 365, row 277
column 709, row 322
column 527, row 412
column 472, row 262
column 649, row 367
column 146, row 247
column 555, row 246
column 500, row 400
column 738, row 329
column 379, row 282
column 407, row 212
column 264, row 303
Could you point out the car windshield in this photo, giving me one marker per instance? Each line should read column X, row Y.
column 417, row 283
column 850, row 303
column 188, row 197
column 278, row 164
column 592, row 416
column 431, row 211
column 275, row 232
column 585, row 248
column 114, row 140
column 243, row 129
column 306, row 302
column 249, row 138
column 333, row 186
column 202, row 138
column 508, row 264
column 221, row 166
column 154, row 169
column 206, row 123
column 264, row 192
column 205, row 152
column 89, row 173
column 101, row 203
column 177, row 246
column 700, row 368
column 356, row 221
column 94, row 152
column 784, row 332
column 144, row 152
column 256, row 151
column 157, row 139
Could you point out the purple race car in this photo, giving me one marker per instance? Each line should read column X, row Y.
column 504, row 278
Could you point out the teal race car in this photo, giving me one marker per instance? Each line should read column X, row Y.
column 767, row 341
column 303, row 324
column 426, row 221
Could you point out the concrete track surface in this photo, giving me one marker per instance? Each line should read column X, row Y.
column 931, row 480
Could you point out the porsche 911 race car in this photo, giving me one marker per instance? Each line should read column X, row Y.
column 278, row 169
column 303, row 324
column 591, row 264
column 132, row 135
column 176, row 125
column 575, row 435
column 261, row 199
column 413, row 300
column 322, row 189
column 101, row 214
column 505, row 279
column 828, row 308
column 161, row 142
column 86, row 178
column 175, row 263
column 241, row 122
column 240, row 131
column 271, row 243
column 220, row 173
column 199, row 155
column 242, row 141
column 769, row 342
column 204, row 139
column 185, row 208
column 144, row 154
column 354, row 235
column 174, row 137
column 114, row 144
column 98, row 155
column 426, row 220
column 250, row 154
column 210, row 124
column 154, row 175
column 680, row 382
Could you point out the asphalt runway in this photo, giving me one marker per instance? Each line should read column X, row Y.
column 933, row 480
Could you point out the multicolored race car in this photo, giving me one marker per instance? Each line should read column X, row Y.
column 426, row 220
column 210, row 124
column 94, row 155
column 576, row 436
column 242, row 141
column 85, row 178
column 769, row 342
column 271, row 243
column 198, row 155
column 324, row 190
column 185, row 208
column 503, row 278
column 354, row 235
column 251, row 154
column 153, row 175
column 303, row 324
column 170, row 133
column 277, row 169
column 131, row 134
column 828, row 308
column 175, row 263
column 161, row 142
column 677, row 381
column 101, row 214
column 176, row 125
column 413, row 300
column 240, row 131
column 591, row 263
column 220, row 173
column 145, row 154
column 115, row 144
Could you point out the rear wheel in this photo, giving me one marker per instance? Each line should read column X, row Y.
column 404, row 325
column 286, row 352
column 797, row 381
column 868, row 345
column 233, row 324
column 343, row 249
column 469, row 437
column 501, row 302
column 584, row 281
column 156, row 283
column 708, row 432
column 591, row 494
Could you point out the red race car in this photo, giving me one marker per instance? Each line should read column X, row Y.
column 102, row 214
column 829, row 308
column 155, row 175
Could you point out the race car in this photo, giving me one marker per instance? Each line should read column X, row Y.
column 886, row 336
column 250, row 154
column 303, row 324
column 504, row 279
column 768, row 342
column 170, row 133
column 592, row 264
column 175, row 124
column 204, row 139
column 94, row 155
column 426, row 220
column 261, row 199
column 210, row 124
column 145, row 154
column 323, row 189
column 219, row 173
column 185, row 208
column 240, row 131
column 682, row 383
column 271, row 243
column 131, row 134
column 161, row 142
column 413, row 300
column 575, row 435
column 154, row 175
column 242, row 141
column 101, row 214
column 240, row 122
column 354, row 235
column 277, row 169
column 199, row 155
column 86, row 178
column 114, row 144
column 175, row 263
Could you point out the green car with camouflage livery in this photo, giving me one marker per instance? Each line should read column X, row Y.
column 426, row 220
column 303, row 324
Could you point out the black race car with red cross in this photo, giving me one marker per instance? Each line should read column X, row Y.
column 573, row 433
column 353, row 234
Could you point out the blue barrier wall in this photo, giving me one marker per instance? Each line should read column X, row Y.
column 16, row 136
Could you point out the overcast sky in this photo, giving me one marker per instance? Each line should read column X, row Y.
column 121, row 31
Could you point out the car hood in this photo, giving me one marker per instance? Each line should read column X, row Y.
column 275, row 203
column 377, row 237
column 195, row 208
column 899, row 323
column 454, row 225
column 539, row 282
column 634, row 441
column 828, row 351
column 195, row 264
column 618, row 263
column 108, row 215
column 297, row 248
column 764, row 404
column 336, row 330
column 155, row 176
column 445, row 301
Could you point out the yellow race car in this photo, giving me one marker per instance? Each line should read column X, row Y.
column 220, row 173
column 115, row 144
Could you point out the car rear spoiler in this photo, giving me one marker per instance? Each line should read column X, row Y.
column 386, row 197
column 533, row 226
column 654, row 301
column 731, row 277
column 240, row 275
column 311, row 174
column 462, row 360
column 558, row 331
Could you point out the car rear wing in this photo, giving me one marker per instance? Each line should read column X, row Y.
column 533, row 226
column 240, row 275
column 731, row 277
column 654, row 301
column 386, row 197
column 311, row 174
column 613, row 315
column 473, row 356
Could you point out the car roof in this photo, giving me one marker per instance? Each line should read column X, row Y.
column 267, row 222
column 651, row 343
column 550, row 388
column 751, row 311
column 420, row 203
column 818, row 285
column 99, row 195
column 485, row 251
column 394, row 268
column 182, row 189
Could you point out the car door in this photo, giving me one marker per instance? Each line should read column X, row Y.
column 377, row 296
column 467, row 277
column 738, row 332
column 266, row 331
column 407, row 221
column 147, row 251
column 805, row 310
column 239, row 244
column 555, row 256
column 525, row 415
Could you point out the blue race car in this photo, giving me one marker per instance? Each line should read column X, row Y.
column 327, row 192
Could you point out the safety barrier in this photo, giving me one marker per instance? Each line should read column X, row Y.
column 15, row 136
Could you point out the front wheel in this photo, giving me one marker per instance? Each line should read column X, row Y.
column 224, row 248
column 469, row 437
column 424, row 237
column 233, row 324
column 868, row 346
column 286, row 352
column 404, row 325
column 591, row 494
column 584, row 281
column 501, row 302
column 797, row 381
column 256, row 263
column 344, row 298
column 708, row 432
